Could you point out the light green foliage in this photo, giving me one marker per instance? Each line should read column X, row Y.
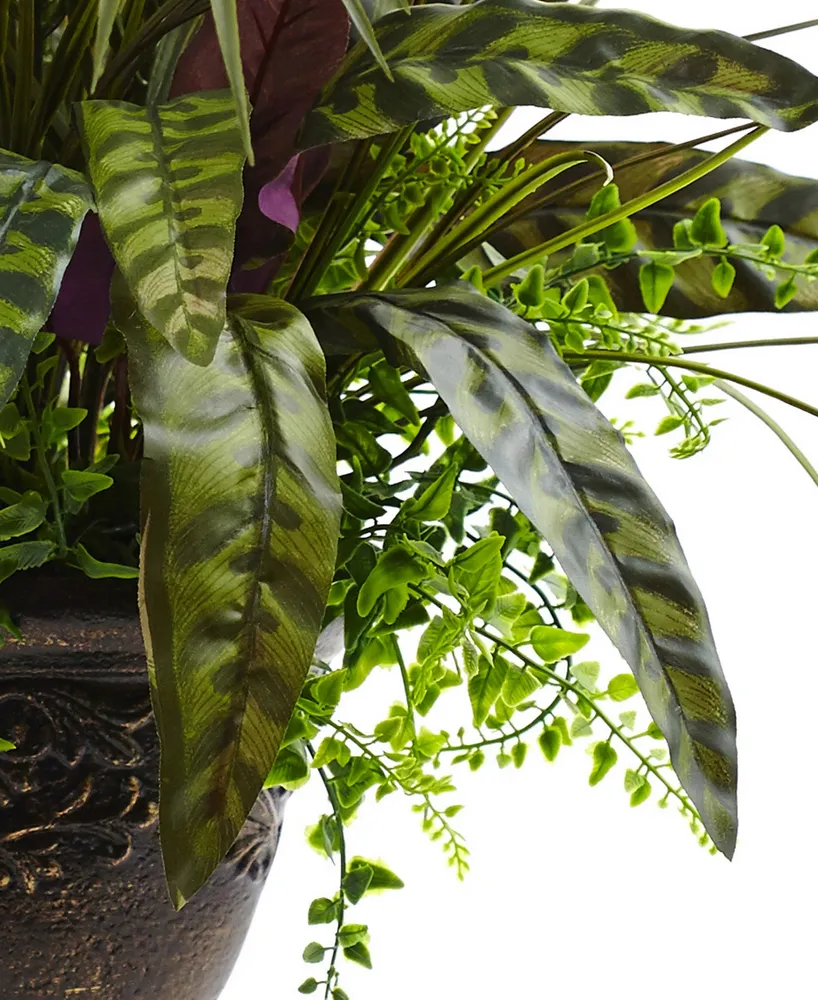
column 170, row 222
column 446, row 60
column 751, row 195
column 522, row 410
column 655, row 281
column 240, row 509
column 42, row 206
column 604, row 759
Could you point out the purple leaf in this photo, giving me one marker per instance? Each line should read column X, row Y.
column 290, row 49
column 277, row 201
column 83, row 304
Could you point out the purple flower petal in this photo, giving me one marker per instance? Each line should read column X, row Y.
column 83, row 304
column 277, row 201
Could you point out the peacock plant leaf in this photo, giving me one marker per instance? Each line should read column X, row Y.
column 753, row 198
column 169, row 190
column 569, row 471
column 42, row 207
column 446, row 60
column 240, row 512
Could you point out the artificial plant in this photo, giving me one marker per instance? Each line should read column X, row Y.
column 280, row 336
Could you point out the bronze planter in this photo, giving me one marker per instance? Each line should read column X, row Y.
column 83, row 907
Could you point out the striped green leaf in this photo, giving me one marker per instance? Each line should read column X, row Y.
column 41, row 211
column 241, row 512
column 446, row 60
column 754, row 197
column 570, row 472
column 169, row 190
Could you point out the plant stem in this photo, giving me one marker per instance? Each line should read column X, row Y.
column 648, row 359
column 317, row 261
column 45, row 468
column 785, row 30
column 762, row 415
column 766, row 342
column 336, row 811
column 494, row 275
column 540, row 201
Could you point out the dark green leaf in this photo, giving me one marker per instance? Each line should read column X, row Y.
column 550, row 742
column 97, row 570
column 359, row 953
column 309, row 985
column 382, row 877
column 81, row 486
column 323, row 911
column 604, row 760
column 570, row 473
column 241, row 510
column 485, row 686
column 352, row 934
column 572, row 58
column 356, row 882
column 314, row 953
column 20, row 518
column 42, row 207
column 23, row 555
column 171, row 222
column 395, row 567
column 785, row 293
column 434, row 502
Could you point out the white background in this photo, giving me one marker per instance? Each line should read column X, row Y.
column 571, row 891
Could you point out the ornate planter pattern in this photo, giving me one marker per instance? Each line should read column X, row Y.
column 83, row 905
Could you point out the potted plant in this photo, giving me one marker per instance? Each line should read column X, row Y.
column 294, row 367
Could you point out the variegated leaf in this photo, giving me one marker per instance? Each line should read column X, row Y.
column 569, row 470
column 568, row 57
column 41, row 211
column 241, row 512
column 753, row 197
column 169, row 191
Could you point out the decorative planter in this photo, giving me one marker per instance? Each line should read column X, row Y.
column 83, row 907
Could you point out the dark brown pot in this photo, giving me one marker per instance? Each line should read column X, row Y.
column 84, row 911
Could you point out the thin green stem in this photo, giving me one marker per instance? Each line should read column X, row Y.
column 647, row 359
column 766, row 342
column 552, row 197
column 765, row 417
column 494, row 275
column 45, row 468
column 785, row 30
column 336, row 812
column 401, row 248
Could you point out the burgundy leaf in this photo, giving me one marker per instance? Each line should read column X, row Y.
column 83, row 304
column 290, row 49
